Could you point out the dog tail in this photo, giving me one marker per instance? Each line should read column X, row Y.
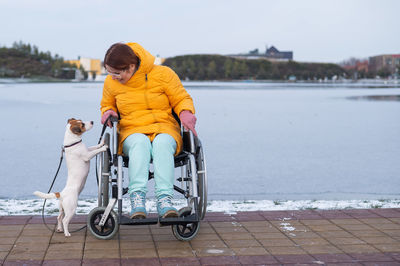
column 55, row 195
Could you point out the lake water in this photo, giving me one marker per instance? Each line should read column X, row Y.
column 272, row 141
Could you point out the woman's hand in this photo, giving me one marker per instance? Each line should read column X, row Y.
column 106, row 115
column 188, row 120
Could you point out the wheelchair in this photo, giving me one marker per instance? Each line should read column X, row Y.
column 103, row 222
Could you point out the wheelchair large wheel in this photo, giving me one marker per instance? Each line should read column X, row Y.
column 105, row 173
column 202, row 181
column 185, row 232
column 110, row 228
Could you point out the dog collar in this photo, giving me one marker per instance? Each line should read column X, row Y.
column 73, row 144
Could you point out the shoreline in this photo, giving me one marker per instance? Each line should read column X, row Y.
column 34, row 206
column 393, row 82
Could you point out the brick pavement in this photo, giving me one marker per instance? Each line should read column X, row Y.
column 320, row 237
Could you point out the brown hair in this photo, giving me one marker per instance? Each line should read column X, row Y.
column 120, row 56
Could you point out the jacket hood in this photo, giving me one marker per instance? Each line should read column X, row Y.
column 146, row 59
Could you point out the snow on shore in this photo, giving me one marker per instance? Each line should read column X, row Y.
column 34, row 206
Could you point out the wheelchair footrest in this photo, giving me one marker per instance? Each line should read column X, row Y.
column 128, row 221
column 193, row 218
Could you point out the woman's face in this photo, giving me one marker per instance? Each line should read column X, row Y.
column 121, row 75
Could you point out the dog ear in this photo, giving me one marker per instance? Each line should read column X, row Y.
column 71, row 119
column 76, row 129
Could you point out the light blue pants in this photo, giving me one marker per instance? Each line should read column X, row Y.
column 140, row 151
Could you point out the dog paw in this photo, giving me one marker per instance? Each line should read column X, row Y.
column 105, row 147
column 59, row 230
column 67, row 234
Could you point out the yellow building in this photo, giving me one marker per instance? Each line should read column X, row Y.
column 92, row 66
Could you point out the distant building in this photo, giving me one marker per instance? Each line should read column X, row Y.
column 391, row 62
column 92, row 66
column 274, row 53
column 271, row 53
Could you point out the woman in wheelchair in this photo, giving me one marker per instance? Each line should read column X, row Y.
column 143, row 96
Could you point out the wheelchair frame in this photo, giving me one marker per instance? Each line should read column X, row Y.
column 103, row 222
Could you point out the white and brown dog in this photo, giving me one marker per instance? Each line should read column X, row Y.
column 78, row 158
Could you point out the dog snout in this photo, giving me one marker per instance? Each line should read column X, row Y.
column 91, row 122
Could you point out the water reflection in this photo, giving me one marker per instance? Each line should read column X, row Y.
column 390, row 98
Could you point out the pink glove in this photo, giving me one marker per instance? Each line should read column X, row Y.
column 106, row 115
column 188, row 120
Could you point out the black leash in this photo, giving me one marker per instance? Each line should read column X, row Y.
column 52, row 184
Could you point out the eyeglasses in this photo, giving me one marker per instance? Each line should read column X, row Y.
column 115, row 74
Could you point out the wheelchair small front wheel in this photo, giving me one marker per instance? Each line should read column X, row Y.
column 110, row 228
column 185, row 232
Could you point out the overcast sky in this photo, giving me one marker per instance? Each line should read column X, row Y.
column 315, row 30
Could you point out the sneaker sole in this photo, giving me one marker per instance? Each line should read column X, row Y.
column 138, row 215
column 170, row 214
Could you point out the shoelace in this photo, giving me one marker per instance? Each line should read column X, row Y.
column 165, row 202
column 137, row 201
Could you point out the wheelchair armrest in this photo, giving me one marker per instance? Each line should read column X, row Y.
column 189, row 140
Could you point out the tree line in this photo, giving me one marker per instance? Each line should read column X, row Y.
column 25, row 60
column 217, row 67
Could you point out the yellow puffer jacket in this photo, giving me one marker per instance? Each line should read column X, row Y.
column 146, row 101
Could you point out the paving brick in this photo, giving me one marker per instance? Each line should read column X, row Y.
column 358, row 248
column 346, row 241
column 371, row 257
column 101, row 254
column 368, row 233
column 63, row 254
column 250, row 251
column 140, row 262
column 333, row 214
column 136, row 245
column 240, row 243
column 310, row 241
column 321, row 249
column 25, row 255
column 345, row 221
column 334, row 258
column 101, row 244
column 207, row 244
column 228, row 236
column 275, row 215
column 220, row 260
column 292, row 250
column 179, row 261
column 277, row 242
column 207, row 252
column 356, row 227
column 380, row 240
column 172, row 244
column 269, row 235
column 257, row 260
column 102, row 262
column 298, row 259
column 19, row 262
column 388, row 247
column 361, row 213
column 388, row 213
column 138, row 253
column 175, row 252
column 58, row 262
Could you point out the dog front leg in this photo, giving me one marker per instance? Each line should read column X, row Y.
column 90, row 154
column 92, row 148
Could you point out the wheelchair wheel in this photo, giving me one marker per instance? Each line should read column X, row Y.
column 185, row 232
column 202, row 181
column 110, row 228
column 105, row 174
